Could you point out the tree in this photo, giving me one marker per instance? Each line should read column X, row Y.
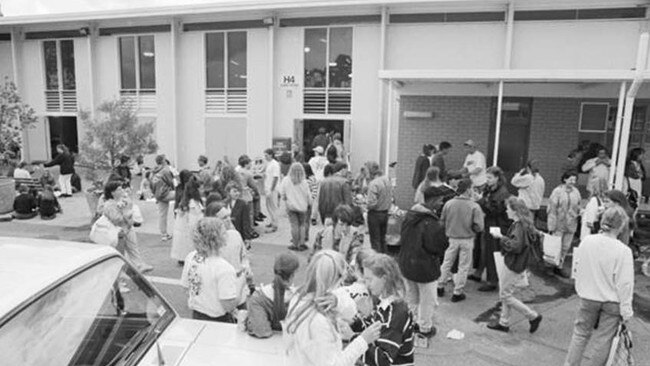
column 15, row 115
column 114, row 132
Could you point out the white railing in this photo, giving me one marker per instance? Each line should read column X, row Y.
column 61, row 100
column 226, row 101
column 327, row 101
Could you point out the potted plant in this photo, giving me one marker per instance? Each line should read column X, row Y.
column 14, row 117
column 113, row 132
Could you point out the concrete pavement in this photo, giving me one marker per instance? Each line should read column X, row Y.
column 552, row 297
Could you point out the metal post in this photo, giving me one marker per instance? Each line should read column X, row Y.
column 498, row 124
column 617, row 132
column 389, row 118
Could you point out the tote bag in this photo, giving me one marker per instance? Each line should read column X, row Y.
column 104, row 232
column 620, row 353
column 552, row 245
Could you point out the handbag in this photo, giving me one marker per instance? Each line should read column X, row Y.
column 620, row 353
column 104, row 232
column 552, row 246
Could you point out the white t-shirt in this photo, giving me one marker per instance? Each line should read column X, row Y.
column 473, row 161
column 208, row 280
column 21, row 173
column 317, row 164
column 272, row 171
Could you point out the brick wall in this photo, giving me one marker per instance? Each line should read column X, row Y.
column 554, row 132
column 456, row 120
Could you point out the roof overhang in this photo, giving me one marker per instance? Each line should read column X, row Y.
column 510, row 75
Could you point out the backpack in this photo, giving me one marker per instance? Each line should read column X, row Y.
column 159, row 187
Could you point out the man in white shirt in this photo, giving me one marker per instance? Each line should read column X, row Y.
column 474, row 165
column 271, row 183
column 318, row 162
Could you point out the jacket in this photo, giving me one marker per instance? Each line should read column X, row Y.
column 65, row 161
column 423, row 244
column 261, row 321
column 493, row 204
column 241, row 218
column 162, row 183
column 334, row 190
column 515, row 246
column 422, row 163
column 563, row 210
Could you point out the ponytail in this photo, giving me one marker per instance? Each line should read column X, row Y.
column 279, row 306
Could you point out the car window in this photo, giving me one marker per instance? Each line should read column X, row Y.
column 104, row 315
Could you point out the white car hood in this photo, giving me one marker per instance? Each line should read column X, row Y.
column 197, row 343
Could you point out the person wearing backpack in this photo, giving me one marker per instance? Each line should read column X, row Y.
column 162, row 185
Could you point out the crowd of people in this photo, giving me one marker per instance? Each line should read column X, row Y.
column 356, row 292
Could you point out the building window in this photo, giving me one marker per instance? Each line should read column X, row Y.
column 226, row 73
column 138, row 71
column 594, row 122
column 60, row 82
column 328, row 70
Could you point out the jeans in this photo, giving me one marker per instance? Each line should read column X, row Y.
column 607, row 315
column 64, row 183
column 507, row 286
column 272, row 208
column 567, row 239
column 488, row 247
column 377, row 225
column 298, row 221
column 461, row 249
column 423, row 300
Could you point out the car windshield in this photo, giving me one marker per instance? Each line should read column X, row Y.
column 104, row 315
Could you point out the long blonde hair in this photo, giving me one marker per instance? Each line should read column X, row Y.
column 296, row 173
column 324, row 274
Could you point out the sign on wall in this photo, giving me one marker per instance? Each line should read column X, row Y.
column 288, row 81
column 281, row 144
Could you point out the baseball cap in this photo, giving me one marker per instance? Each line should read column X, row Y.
column 469, row 142
column 319, row 149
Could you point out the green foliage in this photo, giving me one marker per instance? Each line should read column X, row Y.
column 115, row 131
column 14, row 116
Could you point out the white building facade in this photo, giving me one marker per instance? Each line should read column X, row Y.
column 525, row 79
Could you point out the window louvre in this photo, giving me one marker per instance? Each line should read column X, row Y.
column 222, row 101
column 327, row 101
column 140, row 101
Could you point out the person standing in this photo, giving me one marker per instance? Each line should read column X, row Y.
column 493, row 204
column 162, row 185
column 604, row 282
column 334, row 190
column 474, row 165
column 438, row 159
column 515, row 247
column 188, row 209
column 320, row 140
column 590, row 217
column 318, row 162
column 530, row 185
column 598, row 168
column 379, row 201
column 422, row 247
column 65, row 161
column 463, row 219
column 249, row 190
column 422, row 163
column 635, row 171
column 271, row 184
column 297, row 197
column 563, row 212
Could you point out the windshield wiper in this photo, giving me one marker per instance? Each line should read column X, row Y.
column 135, row 343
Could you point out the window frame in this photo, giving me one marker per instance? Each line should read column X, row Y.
column 59, row 65
column 226, row 87
column 136, row 46
column 606, row 119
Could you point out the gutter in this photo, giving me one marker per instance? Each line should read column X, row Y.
column 641, row 60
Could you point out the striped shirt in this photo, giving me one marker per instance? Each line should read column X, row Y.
column 395, row 344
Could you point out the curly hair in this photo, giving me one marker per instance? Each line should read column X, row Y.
column 208, row 236
column 384, row 266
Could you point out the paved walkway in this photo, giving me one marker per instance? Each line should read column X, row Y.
column 554, row 298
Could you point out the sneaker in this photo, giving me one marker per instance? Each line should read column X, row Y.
column 441, row 291
column 534, row 324
column 314, row 222
column 474, row 278
column 560, row 273
column 262, row 216
column 255, row 235
column 488, row 288
column 457, row 297
column 429, row 334
column 166, row 237
column 499, row 327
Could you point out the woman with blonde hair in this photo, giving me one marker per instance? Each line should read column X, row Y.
column 297, row 198
column 590, row 218
column 211, row 281
column 311, row 327
column 515, row 247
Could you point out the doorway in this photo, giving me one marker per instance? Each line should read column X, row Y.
column 306, row 129
column 63, row 130
column 515, row 134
